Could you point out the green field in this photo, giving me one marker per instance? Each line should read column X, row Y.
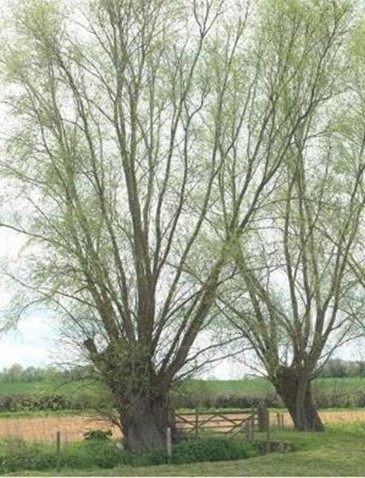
column 252, row 386
column 257, row 386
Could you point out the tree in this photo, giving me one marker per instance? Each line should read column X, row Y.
column 292, row 300
column 14, row 373
column 146, row 140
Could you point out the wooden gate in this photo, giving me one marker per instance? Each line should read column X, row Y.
column 230, row 423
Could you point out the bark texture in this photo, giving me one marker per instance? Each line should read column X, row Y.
column 146, row 427
column 294, row 388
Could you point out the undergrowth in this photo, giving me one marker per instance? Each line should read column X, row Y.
column 18, row 455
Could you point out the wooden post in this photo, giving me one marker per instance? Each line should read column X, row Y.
column 247, row 430
column 278, row 420
column 268, row 432
column 58, row 450
column 261, row 416
column 168, row 444
column 252, row 424
column 282, row 421
column 196, row 422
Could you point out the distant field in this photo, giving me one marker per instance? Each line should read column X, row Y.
column 258, row 386
column 340, row 383
column 252, row 386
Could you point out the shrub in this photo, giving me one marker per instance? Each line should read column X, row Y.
column 226, row 400
column 16, row 454
column 211, row 449
column 89, row 454
column 196, row 450
column 43, row 401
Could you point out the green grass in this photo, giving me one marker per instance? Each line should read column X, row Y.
column 257, row 386
column 349, row 383
column 336, row 452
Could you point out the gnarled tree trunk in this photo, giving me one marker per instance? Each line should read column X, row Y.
column 294, row 388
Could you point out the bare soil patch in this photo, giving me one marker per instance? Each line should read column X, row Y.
column 72, row 428
column 341, row 416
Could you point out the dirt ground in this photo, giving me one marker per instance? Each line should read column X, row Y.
column 343, row 416
column 72, row 428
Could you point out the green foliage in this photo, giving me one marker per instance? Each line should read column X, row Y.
column 42, row 401
column 212, row 449
column 91, row 453
column 224, row 394
column 17, row 454
column 16, row 373
column 337, row 368
column 203, row 449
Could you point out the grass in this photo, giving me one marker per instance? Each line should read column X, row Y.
column 257, row 386
column 337, row 452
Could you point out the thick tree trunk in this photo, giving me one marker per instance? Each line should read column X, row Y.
column 145, row 425
column 295, row 390
column 140, row 396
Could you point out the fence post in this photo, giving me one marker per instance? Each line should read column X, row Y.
column 252, row 424
column 247, row 430
column 196, row 421
column 168, row 444
column 268, row 432
column 278, row 420
column 262, row 416
column 58, row 450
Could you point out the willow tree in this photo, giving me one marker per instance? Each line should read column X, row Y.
column 291, row 299
column 131, row 118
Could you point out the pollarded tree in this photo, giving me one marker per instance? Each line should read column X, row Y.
column 131, row 118
column 291, row 301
